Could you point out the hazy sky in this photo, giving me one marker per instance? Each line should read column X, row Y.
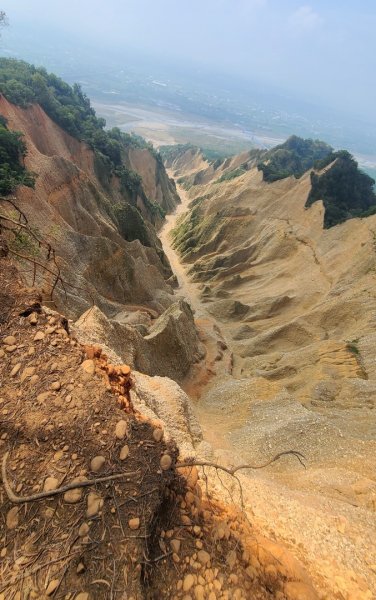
column 323, row 49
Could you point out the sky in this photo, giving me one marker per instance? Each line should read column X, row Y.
column 323, row 50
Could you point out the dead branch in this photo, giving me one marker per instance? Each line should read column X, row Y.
column 23, row 224
column 202, row 463
column 61, row 490
column 29, row 231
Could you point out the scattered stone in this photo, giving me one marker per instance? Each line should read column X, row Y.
column 12, row 518
column 94, row 504
column 188, row 582
column 34, row 379
column 165, row 462
column 97, row 463
column 33, row 318
column 2, row 353
column 50, row 330
column 15, row 370
column 158, row 434
column 43, row 397
column 203, row 557
column 73, row 496
column 80, row 568
column 83, row 530
column 88, row 366
column 199, row 592
column 175, row 545
column 52, row 586
column 10, row 348
column 186, row 520
column 134, row 523
column 39, row 336
column 28, row 372
column 56, row 385
column 124, row 452
column 51, row 483
column 10, row 340
column 121, row 429
column 82, row 596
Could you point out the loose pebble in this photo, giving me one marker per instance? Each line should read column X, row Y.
column 52, row 586
column 203, row 557
column 134, row 523
column 94, row 504
column 175, row 545
column 26, row 373
column 80, row 568
column 121, row 429
column 97, row 463
column 33, row 318
column 124, row 452
column 83, row 530
column 88, row 366
column 188, row 582
column 51, row 483
column 12, row 519
column 166, row 462
column 15, row 370
column 43, row 396
column 158, row 434
column 73, row 496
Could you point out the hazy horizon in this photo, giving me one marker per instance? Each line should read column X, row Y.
column 321, row 52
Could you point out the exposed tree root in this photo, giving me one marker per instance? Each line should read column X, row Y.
column 61, row 490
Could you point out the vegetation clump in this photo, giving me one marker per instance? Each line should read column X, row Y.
column 345, row 190
column 293, row 157
column 12, row 154
column 24, row 85
column 228, row 175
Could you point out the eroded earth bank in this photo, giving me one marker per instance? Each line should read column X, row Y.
column 293, row 304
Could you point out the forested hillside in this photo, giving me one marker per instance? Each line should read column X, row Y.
column 24, row 85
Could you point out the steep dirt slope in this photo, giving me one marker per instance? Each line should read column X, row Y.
column 139, row 526
column 93, row 227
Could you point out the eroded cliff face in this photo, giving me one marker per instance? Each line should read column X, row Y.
column 105, row 239
column 296, row 306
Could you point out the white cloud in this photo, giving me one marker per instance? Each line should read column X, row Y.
column 304, row 18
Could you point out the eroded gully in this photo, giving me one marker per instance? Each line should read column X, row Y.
column 218, row 362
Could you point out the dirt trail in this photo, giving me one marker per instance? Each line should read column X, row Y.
column 219, row 357
column 187, row 288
